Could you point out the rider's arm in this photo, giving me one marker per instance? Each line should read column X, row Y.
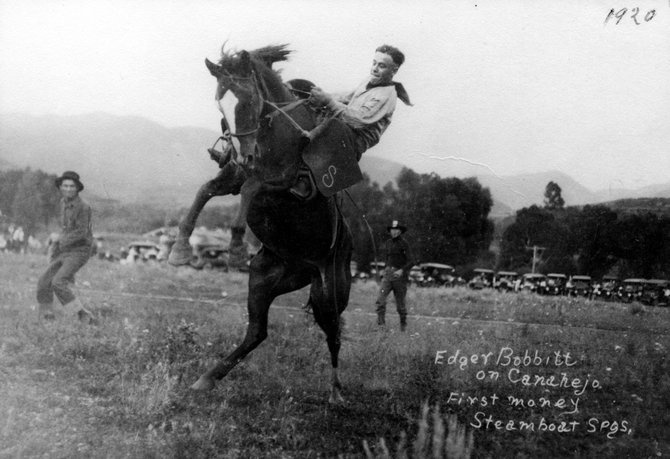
column 365, row 108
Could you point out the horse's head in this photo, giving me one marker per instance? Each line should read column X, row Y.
column 240, row 100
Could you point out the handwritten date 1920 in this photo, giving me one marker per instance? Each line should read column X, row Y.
column 634, row 12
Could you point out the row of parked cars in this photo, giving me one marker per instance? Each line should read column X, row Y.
column 423, row 275
column 204, row 255
column 654, row 292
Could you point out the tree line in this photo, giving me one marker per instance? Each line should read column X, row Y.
column 593, row 240
column 29, row 198
column 447, row 218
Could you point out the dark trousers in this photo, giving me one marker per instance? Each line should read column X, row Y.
column 59, row 275
column 399, row 288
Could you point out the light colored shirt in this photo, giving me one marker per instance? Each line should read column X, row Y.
column 367, row 110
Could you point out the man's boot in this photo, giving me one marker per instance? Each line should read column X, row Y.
column 403, row 323
column 83, row 313
column 381, row 320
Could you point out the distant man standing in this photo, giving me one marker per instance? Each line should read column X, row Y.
column 70, row 250
column 399, row 261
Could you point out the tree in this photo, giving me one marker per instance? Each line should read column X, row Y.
column 593, row 233
column 537, row 227
column 28, row 198
column 552, row 197
column 447, row 218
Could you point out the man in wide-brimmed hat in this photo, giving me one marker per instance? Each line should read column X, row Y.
column 69, row 251
column 399, row 261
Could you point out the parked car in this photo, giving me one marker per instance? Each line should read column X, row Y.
column 483, row 278
column 607, row 289
column 579, row 286
column 436, row 274
column 416, row 275
column 555, row 284
column 631, row 290
column 377, row 269
column 141, row 251
column 533, row 282
column 656, row 292
column 210, row 256
column 505, row 280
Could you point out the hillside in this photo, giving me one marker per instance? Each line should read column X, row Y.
column 121, row 158
column 132, row 159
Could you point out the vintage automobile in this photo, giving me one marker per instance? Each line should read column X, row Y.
column 631, row 290
column 210, row 256
column 416, row 275
column 579, row 286
column 533, row 282
column 141, row 251
column 555, row 284
column 436, row 274
column 505, row 281
column 607, row 289
column 656, row 292
column 483, row 278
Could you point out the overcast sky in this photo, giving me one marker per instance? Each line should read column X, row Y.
column 498, row 87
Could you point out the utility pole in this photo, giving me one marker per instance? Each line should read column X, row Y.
column 536, row 258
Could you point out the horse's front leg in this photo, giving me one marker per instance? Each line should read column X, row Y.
column 229, row 180
column 237, row 251
column 330, row 296
column 268, row 278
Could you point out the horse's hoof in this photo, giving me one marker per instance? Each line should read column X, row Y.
column 203, row 384
column 181, row 254
column 336, row 398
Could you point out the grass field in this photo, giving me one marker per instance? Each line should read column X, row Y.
column 120, row 389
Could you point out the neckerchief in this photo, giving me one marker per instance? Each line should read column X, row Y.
column 399, row 90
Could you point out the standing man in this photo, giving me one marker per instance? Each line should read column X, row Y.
column 399, row 261
column 70, row 250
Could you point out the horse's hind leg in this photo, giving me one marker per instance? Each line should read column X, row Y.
column 268, row 277
column 228, row 181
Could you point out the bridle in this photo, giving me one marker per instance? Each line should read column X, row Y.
column 258, row 84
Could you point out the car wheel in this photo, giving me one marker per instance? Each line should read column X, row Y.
column 197, row 262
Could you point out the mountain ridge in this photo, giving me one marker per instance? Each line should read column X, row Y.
column 134, row 159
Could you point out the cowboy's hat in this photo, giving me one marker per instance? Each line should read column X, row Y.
column 70, row 175
column 396, row 225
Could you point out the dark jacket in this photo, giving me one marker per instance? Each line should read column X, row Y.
column 399, row 254
column 76, row 230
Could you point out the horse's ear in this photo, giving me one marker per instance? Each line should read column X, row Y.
column 213, row 68
column 245, row 62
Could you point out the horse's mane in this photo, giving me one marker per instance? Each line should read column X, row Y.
column 267, row 55
column 262, row 60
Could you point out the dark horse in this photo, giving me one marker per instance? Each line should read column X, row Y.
column 303, row 242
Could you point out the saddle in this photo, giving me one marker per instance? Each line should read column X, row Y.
column 331, row 157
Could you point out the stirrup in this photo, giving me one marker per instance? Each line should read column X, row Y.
column 218, row 156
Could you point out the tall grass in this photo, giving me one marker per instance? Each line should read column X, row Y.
column 121, row 389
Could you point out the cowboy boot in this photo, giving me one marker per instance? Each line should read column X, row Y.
column 381, row 320
column 403, row 323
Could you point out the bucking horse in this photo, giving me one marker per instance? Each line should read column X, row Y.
column 304, row 241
